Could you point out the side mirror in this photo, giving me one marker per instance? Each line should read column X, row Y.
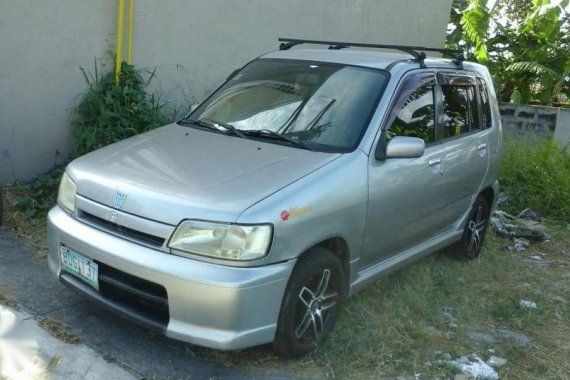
column 405, row 147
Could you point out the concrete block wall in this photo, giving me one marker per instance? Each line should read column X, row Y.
column 521, row 121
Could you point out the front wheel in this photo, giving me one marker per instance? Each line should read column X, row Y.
column 311, row 303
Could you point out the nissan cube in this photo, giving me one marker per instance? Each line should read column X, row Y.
column 305, row 177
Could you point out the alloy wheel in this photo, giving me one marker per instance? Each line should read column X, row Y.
column 315, row 309
column 477, row 226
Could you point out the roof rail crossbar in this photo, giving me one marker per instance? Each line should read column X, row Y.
column 418, row 52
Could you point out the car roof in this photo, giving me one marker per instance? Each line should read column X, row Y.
column 377, row 59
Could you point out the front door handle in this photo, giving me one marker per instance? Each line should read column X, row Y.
column 435, row 161
column 482, row 146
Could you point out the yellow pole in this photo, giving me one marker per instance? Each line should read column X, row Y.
column 120, row 24
column 130, row 37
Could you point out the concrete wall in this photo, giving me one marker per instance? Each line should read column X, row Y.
column 522, row 121
column 562, row 131
column 194, row 45
column 42, row 45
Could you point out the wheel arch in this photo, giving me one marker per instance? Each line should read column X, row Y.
column 338, row 247
column 489, row 194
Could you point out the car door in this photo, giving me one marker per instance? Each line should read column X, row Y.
column 413, row 200
column 462, row 141
column 407, row 196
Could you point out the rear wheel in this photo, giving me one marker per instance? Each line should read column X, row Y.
column 475, row 230
column 311, row 303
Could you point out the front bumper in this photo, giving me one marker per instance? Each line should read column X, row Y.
column 210, row 305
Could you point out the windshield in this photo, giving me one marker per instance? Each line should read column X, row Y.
column 321, row 106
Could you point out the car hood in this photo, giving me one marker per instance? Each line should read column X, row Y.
column 176, row 172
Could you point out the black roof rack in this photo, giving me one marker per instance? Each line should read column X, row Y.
column 418, row 52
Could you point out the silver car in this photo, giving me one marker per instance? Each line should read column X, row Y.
column 305, row 177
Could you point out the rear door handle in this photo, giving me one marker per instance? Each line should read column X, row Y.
column 482, row 146
column 435, row 161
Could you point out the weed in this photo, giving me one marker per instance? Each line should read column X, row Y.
column 6, row 299
column 537, row 175
column 36, row 198
column 26, row 206
column 60, row 330
column 109, row 112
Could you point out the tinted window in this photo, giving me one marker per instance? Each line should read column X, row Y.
column 459, row 109
column 486, row 120
column 325, row 106
column 417, row 117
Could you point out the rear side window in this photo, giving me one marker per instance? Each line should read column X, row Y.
column 417, row 117
column 486, row 120
column 459, row 110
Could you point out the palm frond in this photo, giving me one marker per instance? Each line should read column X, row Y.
column 475, row 22
column 535, row 68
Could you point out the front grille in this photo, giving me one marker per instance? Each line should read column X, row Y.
column 122, row 231
column 147, row 298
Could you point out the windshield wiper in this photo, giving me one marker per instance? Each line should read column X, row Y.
column 321, row 114
column 274, row 135
column 218, row 125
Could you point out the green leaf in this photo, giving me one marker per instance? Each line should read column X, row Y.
column 535, row 68
column 516, row 97
column 475, row 23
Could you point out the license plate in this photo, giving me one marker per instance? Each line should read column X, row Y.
column 84, row 269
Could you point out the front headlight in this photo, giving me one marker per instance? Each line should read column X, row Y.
column 224, row 241
column 66, row 194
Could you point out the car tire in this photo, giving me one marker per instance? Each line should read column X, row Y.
column 310, row 306
column 474, row 232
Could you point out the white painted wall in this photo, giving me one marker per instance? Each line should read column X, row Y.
column 194, row 44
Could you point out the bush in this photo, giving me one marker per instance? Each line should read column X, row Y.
column 110, row 112
column 36, row 198
column 537, row 175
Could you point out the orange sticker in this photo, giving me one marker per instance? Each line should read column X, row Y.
column 295, row 212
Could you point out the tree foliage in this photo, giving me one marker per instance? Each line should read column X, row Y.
column 525, row 43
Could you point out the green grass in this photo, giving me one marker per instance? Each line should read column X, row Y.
column 537, row 175
column 398, row 327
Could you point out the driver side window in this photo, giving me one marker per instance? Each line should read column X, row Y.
column 416, row 118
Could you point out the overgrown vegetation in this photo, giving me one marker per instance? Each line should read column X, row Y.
column 525, row 43
column 537, row 175
column 109, row 112
column 36, row 198
column 26, row 206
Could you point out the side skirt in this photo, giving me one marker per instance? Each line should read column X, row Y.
column 370, row 275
